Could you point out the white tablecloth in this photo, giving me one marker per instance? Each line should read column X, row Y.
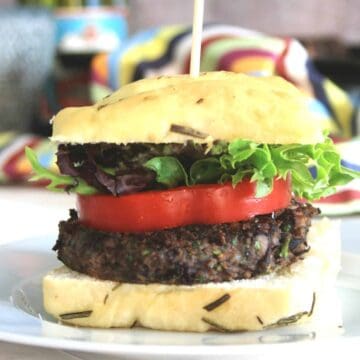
column 28, row 212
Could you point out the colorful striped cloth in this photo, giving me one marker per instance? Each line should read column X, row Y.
column 14, row 167
column 166, row 50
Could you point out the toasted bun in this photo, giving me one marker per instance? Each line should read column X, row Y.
column 253, row 304
column 220, row 105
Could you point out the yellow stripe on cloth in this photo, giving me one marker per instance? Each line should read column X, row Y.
column 6, row 137
column 254, row 64
column 340, row 105
column 148, row 51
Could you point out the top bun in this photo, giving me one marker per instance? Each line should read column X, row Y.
column 213, row 106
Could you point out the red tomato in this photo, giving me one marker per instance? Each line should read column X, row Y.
column 163, row 209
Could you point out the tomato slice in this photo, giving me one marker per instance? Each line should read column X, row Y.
column 164, row 209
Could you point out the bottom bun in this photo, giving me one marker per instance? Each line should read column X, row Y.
column 267, row 301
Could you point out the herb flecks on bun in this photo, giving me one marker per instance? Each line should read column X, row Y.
column 221, row 105
column 188, row 198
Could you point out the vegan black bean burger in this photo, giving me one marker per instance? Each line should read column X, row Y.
column 187, row 214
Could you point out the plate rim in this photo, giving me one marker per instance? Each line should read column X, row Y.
column 183, row 350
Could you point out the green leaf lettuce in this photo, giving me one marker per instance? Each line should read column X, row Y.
column 315, row 169
column 57, row 182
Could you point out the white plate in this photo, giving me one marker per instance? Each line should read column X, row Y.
column 23, row 319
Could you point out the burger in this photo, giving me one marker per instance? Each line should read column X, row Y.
column 192, row 207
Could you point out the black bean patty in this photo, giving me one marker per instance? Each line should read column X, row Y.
column 191, row 254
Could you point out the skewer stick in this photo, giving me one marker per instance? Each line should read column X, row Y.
column 198, row 20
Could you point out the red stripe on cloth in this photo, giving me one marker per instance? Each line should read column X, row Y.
column 340, row 197
column 280, row 64
column 10, row 166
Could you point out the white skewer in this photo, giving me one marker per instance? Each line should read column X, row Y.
column 198, row 20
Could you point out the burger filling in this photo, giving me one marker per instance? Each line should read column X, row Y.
column 191, row 254
column 189, row 213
